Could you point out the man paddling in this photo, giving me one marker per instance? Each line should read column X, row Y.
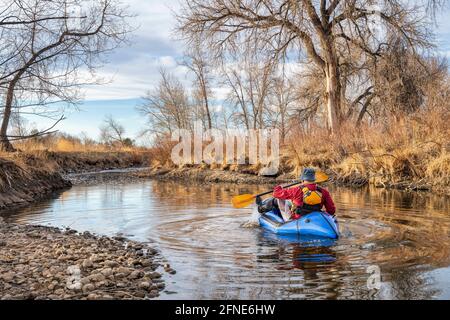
column 309, row 197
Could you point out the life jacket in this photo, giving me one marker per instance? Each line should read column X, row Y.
column 312, row 200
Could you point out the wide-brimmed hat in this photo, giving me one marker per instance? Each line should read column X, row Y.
column 309, row 174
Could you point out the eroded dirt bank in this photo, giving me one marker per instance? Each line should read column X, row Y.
column 20, row 185
column 47, row 263
column 27, row 177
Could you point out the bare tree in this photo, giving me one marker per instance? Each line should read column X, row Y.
column 325, row 31
column 197, row 62
column 51, row 46
column 250, row 82
column 167, row 107
column 283, row 103
column 113, row 133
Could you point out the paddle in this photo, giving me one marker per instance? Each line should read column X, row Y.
column 244, row 200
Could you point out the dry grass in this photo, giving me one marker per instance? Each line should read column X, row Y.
column 69, row 144
column 411, row 153
column 67, row 155
column 414, row 151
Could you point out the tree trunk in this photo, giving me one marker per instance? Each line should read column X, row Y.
column 333, row 96
column 5, row 144
column 208, row 114
column 363, row 111
column 206, row 100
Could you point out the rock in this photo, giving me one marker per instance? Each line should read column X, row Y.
column 96, row 277
column 87, row 264
column 77, row 286
column 97, row 258
column 100, row 284
column 88, row 288
column 136, row 262
column 154, row 275
column 111, row 264
column 106, row 272
column 7, row 297
column 8, row 277
column 146, row 263
column 160, row 285
column 59, row 292
column 119, row 275
column 2, row 243
column 119, row 238
column 144, row 285
column 123, row 270
column 136, row 275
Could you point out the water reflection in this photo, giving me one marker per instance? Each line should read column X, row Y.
column 201, row 236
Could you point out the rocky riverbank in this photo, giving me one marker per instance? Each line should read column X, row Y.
column 47, row 263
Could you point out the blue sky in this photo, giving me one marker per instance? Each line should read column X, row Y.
column 133, row 70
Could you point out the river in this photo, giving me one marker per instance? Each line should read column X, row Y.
column 220, row 254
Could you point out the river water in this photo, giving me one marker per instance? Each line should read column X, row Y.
column 220, row 254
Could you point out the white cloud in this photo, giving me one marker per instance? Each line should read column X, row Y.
column 167, row 62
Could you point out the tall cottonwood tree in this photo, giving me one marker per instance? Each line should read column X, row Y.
column 324, row 31
column 44, row 46
column 198, row 63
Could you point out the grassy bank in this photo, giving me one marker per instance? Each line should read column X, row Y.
column 411, row 154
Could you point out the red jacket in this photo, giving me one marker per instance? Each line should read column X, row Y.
column 295, row 194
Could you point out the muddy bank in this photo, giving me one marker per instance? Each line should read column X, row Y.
column 47, row 263
column 28, row 177
column 20, row 185
column 71, row 162
column 210, row 176
column 111, row 177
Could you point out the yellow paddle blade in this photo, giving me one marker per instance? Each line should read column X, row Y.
column 243, row 200
column 321, row 177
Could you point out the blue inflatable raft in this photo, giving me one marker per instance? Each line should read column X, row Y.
column 315, row 224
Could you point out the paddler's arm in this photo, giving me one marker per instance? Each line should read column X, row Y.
column 328, row 202
column 294, row 194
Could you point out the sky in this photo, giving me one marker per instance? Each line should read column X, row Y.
column 132, row 70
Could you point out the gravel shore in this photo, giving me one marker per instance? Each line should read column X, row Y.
column 39, row 262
